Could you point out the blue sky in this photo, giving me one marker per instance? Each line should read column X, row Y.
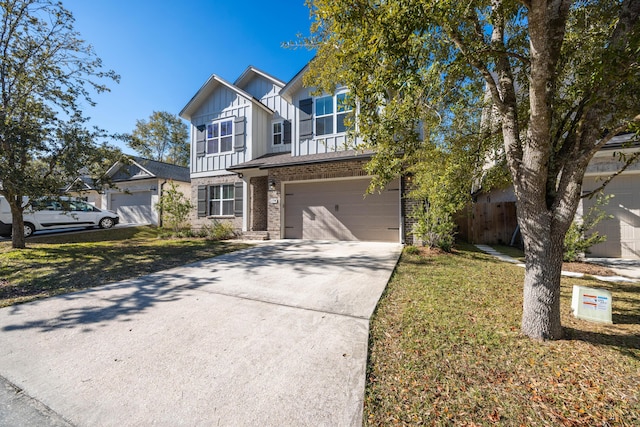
column 165, row 50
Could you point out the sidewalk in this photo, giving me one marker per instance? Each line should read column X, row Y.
column 627, row 270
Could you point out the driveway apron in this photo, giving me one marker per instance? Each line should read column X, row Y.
column 275, row 335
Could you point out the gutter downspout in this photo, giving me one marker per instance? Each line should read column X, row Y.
column 160, row 210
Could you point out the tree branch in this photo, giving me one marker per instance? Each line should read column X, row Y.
column 631, row 160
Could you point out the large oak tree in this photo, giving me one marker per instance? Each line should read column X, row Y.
column 47, row 74
column 164, row 137
column 562, row 77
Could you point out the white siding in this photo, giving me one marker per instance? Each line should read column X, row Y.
column 623, row 230
column 223, row 103
column 268, row 93
column 261, row 133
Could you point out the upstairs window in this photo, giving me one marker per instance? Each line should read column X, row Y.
column 342, row 109
column 278, row 130
column 220, row 137
column 330, row 113
column 324, row 115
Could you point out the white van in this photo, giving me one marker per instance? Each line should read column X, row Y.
column 56, row 213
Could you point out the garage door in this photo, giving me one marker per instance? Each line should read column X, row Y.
column 134, row 208
column 623, row 230
column 337, row 210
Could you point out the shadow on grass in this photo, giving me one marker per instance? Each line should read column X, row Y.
column 96, row 235
column 117, row 301
column 60, row 269
column 625, row 343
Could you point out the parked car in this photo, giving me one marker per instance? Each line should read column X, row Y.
column 56, row 213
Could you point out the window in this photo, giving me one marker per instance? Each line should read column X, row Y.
column 342, row 108
column 330, row 112
column 277, row 133
column 324, row 115
column 80, row 206
column 220, row 136
column 221, row 199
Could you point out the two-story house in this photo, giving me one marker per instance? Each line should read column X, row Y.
column 273, row 160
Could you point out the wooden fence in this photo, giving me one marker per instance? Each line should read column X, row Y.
column 488, row 223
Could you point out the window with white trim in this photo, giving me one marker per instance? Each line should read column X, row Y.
column 219, row 136
column 330, row 113
column 277, row 132
column 342, row 109
column 221, row 199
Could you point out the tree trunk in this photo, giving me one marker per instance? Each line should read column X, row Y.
column 543, row 260
column 17, row 236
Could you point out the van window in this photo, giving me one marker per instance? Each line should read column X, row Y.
column 79, row 206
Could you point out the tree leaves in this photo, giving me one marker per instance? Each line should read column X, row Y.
column 46, row 74
column 165, row 138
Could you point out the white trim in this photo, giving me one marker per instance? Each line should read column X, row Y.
column 219, row 137
column 334, row 114
column 253, row 70
column 221, row 186
column 208, row 88
column 273, row 133
column 211, row 173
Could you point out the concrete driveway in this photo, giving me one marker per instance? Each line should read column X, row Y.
column 275, row 335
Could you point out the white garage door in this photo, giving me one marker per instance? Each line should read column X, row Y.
column 134, row 208
column 623, row 230
column 338, row 210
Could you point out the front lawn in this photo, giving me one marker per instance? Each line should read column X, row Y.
column 64, row 263
column 445, row 349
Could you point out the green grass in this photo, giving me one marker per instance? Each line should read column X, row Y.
column 511, row 251
column 445, row 349
column 64, row 263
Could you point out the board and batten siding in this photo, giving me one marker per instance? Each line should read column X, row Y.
column 269, row 94
column 317, row 144
column 224, row 103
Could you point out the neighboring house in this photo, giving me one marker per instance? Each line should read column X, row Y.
column 274, row 161
column 623, row 229
column 83, row 188
column 492, row 218
column 138, row 187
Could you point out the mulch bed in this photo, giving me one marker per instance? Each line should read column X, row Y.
column 586, row 268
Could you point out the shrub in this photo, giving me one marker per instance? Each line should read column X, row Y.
column 412, row 250
column 174, row 208
column 216, row 231
column 434, row 227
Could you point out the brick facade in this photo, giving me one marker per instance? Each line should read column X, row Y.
column 266, row 207
column 408, row 206
column 236, row 222
column 258, row 193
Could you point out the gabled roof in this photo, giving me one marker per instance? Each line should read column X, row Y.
column 625, row 140
column 208, row 88
column 83, row 182
column 153, row 169
column 251, row 72
column 295, row 84
column 276, row 160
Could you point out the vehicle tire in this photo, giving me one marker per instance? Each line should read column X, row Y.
column 106, row 222
column 28, row 229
